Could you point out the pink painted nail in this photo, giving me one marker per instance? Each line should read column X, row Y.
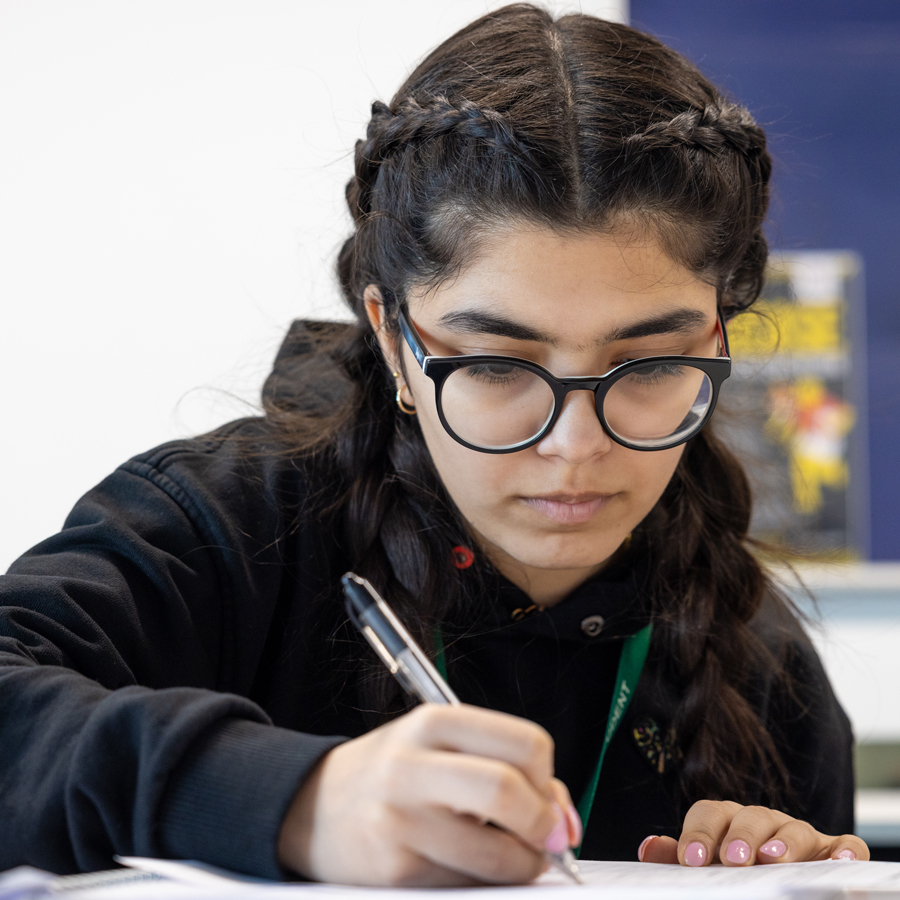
column 574, row 824
column 558, row 841
column 738, row 852
column 644, row 842
column 695, row 854
column 773, row 849
column 845, row 854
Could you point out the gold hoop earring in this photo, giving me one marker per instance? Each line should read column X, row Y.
column 408, row 410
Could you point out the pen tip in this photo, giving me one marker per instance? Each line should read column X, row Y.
column 565, row 862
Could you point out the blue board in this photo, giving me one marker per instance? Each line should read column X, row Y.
column 824, row 79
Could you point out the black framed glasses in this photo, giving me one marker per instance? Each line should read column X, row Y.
column 501, row 404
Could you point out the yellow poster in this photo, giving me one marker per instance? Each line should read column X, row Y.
column 789, row 408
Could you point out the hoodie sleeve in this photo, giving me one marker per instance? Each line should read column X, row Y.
column 128, row 647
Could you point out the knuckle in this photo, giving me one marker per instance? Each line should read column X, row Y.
column 427, row 722
column 711, row 818
column 502, row 791
column 541, row 746
column 751, row 818
column 706, row 805
column 423, row 720
column 755, row 811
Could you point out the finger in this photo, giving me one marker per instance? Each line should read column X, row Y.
column 798, row 841
column 485, row 789
column 656, row 849
column 794, row 841
column 487, row 733
column 849, row 846
column 563, row 800
column 751, row 828
column 409, row 869
column 464, row 846
column 704, row 827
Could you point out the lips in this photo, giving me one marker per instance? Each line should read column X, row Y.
column 568, row 509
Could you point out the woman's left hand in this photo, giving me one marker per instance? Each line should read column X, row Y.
column 735, row 835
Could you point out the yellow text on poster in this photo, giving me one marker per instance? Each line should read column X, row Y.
column 786, row 328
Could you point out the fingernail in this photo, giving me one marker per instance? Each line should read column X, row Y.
column 845, row 854
column 738, row 852
column 644, row 842
column 695, row 854
column 773, row 849
column 558, row 841
column 574, row 824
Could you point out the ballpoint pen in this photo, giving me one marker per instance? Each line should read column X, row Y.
column 411, row 667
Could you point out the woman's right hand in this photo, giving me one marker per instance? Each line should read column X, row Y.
column 408, row 803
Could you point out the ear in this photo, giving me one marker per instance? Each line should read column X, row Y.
column 374, row 306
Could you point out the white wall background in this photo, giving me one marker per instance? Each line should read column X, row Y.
column 171, row 197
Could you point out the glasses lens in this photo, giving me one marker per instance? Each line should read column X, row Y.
column 658, row 404
column 496, row 405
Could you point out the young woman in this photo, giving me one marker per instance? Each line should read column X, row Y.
column 555, row 220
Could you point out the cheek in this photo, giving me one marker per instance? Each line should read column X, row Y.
column 472, row 479
column 647, row 478
column 653, row 471
column 475, row 481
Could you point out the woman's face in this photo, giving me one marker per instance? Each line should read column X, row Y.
column 550, row 515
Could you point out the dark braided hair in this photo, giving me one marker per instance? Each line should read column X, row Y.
column 578, row 125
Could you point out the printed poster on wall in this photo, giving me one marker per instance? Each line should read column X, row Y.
column 794, row 406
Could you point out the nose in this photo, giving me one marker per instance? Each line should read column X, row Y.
column 577, row 435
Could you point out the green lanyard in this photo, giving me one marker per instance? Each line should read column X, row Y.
column 631, row 664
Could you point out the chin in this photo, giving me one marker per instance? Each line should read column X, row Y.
column 561, row 552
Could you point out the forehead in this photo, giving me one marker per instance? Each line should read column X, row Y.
column 565, row 283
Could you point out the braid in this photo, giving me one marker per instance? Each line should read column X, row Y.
column 398, row 526
column 684, row 143
column 713, row 128
column 391, row 132
column 707, row 645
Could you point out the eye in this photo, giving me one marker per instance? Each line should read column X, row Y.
column 656, row 373
column 493, row 372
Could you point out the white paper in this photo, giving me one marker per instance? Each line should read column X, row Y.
column 616, row 881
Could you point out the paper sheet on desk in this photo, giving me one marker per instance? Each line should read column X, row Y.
column 618, row 881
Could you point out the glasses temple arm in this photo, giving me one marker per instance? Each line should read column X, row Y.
column 409, row 332
column 723, row 333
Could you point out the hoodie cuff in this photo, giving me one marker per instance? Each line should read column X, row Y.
column 229, row 795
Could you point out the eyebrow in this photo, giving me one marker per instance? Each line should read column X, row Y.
column 679, row 321
column 470, row 321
